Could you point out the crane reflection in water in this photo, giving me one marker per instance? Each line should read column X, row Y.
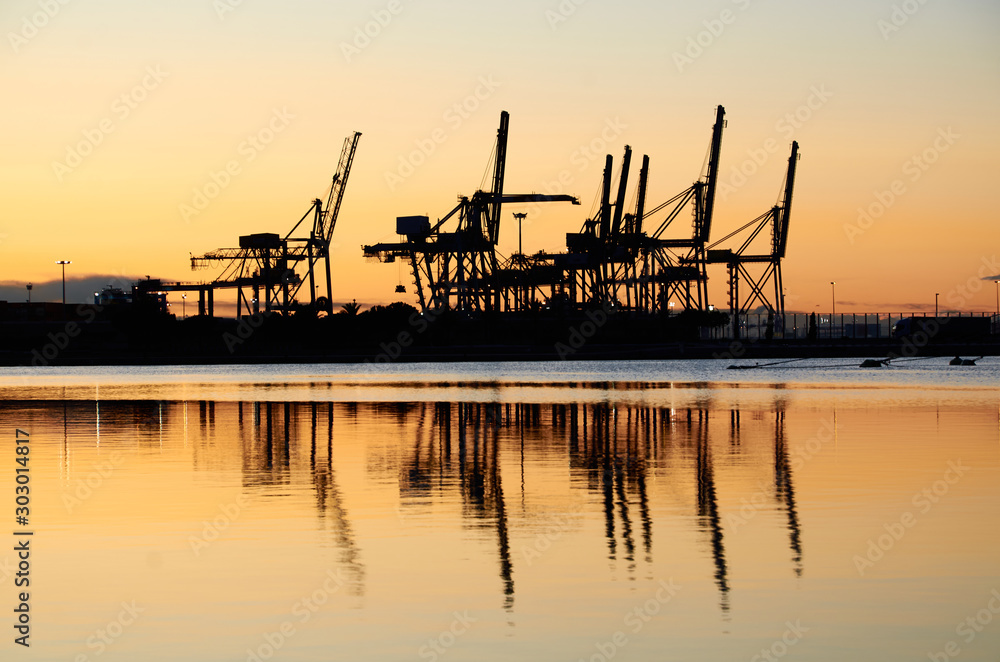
column 610, row 451
column 469, row 450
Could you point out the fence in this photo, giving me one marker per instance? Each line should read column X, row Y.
column 841, row 326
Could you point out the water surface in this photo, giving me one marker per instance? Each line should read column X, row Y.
column 645, row 510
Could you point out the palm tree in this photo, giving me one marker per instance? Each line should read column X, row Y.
column 352, row 308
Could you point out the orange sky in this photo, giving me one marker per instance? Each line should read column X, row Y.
column 155, row 99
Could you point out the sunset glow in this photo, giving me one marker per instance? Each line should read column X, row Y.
column 139, row 134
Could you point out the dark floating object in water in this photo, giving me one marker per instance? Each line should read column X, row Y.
column 874, row 363
column 970, row 361
column 958, row 360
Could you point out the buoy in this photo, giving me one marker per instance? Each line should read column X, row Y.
column 874, row 363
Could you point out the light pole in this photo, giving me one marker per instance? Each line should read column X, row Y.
column 29, row 286
column 184, row 307
column 997, row 283
column 936, row 295
column 64, row 263
column 520, row 217
column 833, row 302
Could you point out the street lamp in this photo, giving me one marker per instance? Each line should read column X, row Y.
column 64, row 263
column 833, row 302
column 184, row 308
column 29, row 286
column 520, row 217
column 936, row 295
column 997, row 283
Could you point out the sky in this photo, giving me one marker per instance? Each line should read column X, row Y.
column 121, row 119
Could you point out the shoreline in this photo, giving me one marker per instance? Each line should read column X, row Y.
column 383, row 354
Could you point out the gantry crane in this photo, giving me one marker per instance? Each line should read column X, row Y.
column 599, row 265
column 612, row 260
column 759, row 270
column 269, row 265
column 460, row 270
column 677, row 267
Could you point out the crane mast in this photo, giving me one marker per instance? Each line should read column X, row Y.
column 270, row 266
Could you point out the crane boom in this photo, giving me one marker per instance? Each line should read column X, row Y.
column 616, row 226
column 640, row 205
column 498, row 177
column 713, row 175
column 782, row 234
column 328, row 219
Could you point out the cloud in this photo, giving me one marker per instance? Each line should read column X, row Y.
column 78, row 290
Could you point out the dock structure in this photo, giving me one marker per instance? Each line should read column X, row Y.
column 269, row 270
column 644, row 261
column 458, row 268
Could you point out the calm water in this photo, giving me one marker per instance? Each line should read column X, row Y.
column 572, row 511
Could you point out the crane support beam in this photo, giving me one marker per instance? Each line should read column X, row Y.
column 616, row 227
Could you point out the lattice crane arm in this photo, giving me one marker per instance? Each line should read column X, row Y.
column 781, row 236
column 327, row 220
